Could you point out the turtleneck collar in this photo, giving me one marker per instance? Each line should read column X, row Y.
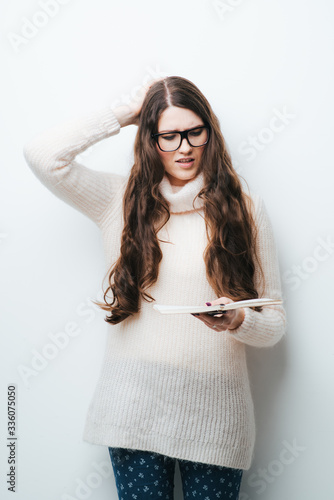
column 180, row 199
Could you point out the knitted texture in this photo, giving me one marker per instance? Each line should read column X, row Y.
column 168, row 383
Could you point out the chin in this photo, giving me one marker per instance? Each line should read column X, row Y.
column 181, row 180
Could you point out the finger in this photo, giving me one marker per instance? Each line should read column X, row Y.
column 217, row 302
column 221, row 300
column 221, row 315
column 201, row 318
column 210, row 324
column 214, row 314
column 209, row 321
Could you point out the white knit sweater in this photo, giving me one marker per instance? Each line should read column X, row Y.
column 168, row 383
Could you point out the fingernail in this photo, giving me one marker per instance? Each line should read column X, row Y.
column 208, row 303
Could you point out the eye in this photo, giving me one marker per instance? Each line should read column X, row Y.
column 169, row 137
column 196, row 132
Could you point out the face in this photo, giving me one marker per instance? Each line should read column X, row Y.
column 179, row 119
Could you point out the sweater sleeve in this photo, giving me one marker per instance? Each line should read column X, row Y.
column 265, row 328
column 51, row 156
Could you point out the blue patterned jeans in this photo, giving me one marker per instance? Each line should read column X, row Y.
column 142, row 475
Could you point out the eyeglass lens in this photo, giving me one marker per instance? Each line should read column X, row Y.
column 170, row 142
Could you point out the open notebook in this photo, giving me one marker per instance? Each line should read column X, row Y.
column 216, row 309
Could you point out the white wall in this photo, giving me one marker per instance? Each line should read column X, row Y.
column 253, row 60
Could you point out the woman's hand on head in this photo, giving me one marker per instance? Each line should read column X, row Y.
column 227, row 320
column 128, row 114
column 137, row 101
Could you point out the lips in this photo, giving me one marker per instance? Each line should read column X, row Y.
column 185, row 162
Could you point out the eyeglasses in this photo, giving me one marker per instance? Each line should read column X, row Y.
column 171, row 141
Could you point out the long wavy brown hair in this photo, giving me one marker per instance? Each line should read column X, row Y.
column 231, row 232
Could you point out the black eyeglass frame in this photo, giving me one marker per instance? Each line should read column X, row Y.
column 183, row 134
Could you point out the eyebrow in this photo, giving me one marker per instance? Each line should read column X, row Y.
column 174, row 130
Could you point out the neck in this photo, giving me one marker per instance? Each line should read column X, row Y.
column 180, row 198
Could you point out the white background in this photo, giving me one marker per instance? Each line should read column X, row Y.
column 253, row 60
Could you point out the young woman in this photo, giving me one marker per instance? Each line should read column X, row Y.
column 178, row 229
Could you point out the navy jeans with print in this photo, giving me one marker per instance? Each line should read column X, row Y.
column 142, row 475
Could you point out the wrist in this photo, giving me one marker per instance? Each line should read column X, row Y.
column 240, row 319
column 124, row 115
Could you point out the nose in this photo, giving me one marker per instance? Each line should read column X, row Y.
column 185, row 146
